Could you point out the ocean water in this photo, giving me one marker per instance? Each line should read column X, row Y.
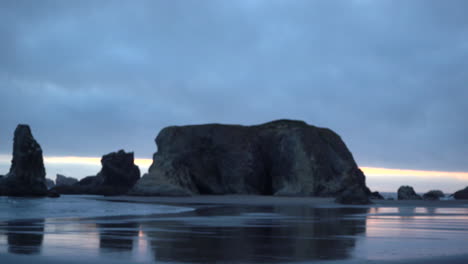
column 75, row 206
column 83, row 230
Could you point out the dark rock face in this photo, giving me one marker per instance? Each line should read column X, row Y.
column 27, row 172
column 461, row 195
column 278, row 158
column 433, row 195
column 49, row 183
column 63, row 180
column 407, row 193
column 117, row 176
column 376, row 196
column 119, row 170
column 352, row 197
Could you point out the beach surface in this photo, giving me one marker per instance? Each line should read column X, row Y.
column 280, row 200
column 230, row 229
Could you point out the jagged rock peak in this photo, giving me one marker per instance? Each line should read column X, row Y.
column 27, row 172
column 61, row 180
column 118, row 168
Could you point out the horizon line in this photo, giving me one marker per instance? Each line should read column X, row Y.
column 367, row 170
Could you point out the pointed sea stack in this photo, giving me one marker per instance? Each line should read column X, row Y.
column 284, row 157
column 27, row 172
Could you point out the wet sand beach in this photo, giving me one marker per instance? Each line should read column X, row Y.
column 279, row 200
column 235, row 229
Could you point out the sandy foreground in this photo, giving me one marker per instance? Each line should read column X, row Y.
column 396, row 208
column 16, row 259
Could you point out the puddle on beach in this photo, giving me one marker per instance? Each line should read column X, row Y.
column 246, row 234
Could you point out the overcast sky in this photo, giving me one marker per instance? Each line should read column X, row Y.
column 91, row 77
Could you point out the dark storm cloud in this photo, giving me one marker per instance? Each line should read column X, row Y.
column 94, row 76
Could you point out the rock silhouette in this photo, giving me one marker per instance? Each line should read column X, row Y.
column 118, row 174
column 433, row 195
column 407, row 193
column 284, row 157
column 461, row 194
column 63, row 180
column 376, row 196
column 27, row 172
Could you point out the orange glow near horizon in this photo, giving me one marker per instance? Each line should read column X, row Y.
column 89, row 160
column 368, row 171
column 413, row 173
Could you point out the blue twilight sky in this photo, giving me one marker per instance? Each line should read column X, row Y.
column 91, row 77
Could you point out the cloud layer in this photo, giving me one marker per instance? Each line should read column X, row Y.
column 92, row 77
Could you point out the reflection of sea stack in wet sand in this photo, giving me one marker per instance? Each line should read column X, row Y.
column 284, row 158
column 27, row 172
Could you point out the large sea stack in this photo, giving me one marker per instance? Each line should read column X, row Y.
column 284, row 157
column 27, row 172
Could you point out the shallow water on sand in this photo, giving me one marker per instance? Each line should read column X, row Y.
column 147, row 233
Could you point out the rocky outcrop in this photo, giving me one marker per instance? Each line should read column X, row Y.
column 119, row 170
column 433, row 195
column 118, row 174
column 376, row 196
column 284, row 157
column 461, row 194
column 407, row 193
column 27, row 172
column 50, row 183
column 61, row 180
column 353, row 197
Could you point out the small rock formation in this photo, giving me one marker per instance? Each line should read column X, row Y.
column 433, row 195
column 118, row 175
column 376, row 196
column 27, row 172
column 352, row 197
column 407, row 193
column 50, row 183
column 461, row 194
column 61, row 180
column 284, row 157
